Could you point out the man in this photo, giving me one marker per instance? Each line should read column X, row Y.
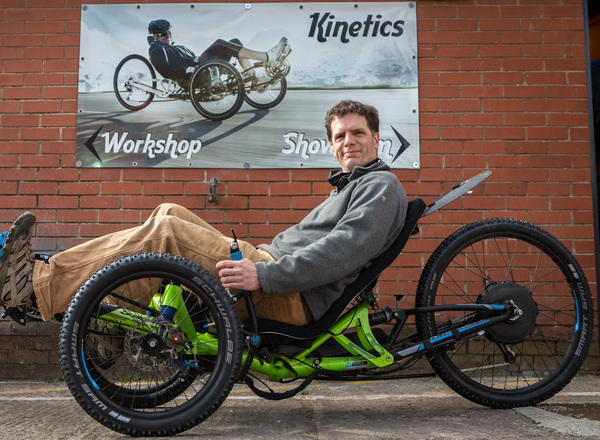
column 177, row 62
column 295, row 279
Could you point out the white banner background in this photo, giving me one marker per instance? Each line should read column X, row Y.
column 376, row 69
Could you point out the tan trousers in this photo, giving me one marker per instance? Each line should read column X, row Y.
column 172, row 229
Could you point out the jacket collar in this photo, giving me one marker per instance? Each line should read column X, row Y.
column 340, row 179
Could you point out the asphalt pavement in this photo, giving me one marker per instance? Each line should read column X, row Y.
column 422, row 408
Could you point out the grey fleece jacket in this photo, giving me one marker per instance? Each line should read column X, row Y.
column 325, row 252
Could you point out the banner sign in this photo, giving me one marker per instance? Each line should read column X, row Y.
column 227, row 85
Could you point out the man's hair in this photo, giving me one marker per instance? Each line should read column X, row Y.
column 347, row 106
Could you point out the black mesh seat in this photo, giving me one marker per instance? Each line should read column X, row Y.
column 366, row 277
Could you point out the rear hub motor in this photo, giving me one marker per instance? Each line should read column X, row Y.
column 522, row 324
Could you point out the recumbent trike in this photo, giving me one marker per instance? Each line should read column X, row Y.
column 503, row 314
column 216, row 89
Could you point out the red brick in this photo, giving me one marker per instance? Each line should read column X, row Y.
column 514, row 161
column 439, row 119
column 459, row 105
column 40, row 161
column 79, row 188
column 547, row 133
column 523, row 64
column 23, row 40
column 24, row 14
column 246, row 188
column 42, row 107
column 44, row 53
column 502, row 78
column 47, row 27
column 543, row 51
column 44, row 79
column 436, row 65
column 478, row 64
column 439, row 92
column 502, row 86
column 461, row 133
column 246, row 216
column 461, row 24
column 121, row 188
column 482, row 119
column 520, row 11
column 20, row 120
column 457, row 51
column 58, row 202
column 121, row 216
column 568, row 91
column 480, row 37
column 59, row 92
column 500, row 51
column 561, row 37
column 546, row 105
column 60, row 174
column 499, row 24
column 305, row 202
column 24, row 66
column 530, row 147
column 21, row 93
column 151, row 188
column 11, row 53
column 482, row 91
column 283, row 189
column 460, row 78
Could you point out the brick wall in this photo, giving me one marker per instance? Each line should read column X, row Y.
column 502, row 86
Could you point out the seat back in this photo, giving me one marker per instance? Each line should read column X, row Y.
column 366, row 277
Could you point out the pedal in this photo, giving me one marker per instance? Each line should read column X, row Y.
column 16, row 314
column 43, row 257
column 279, row 72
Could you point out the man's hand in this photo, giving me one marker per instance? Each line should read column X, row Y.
column 239, row 274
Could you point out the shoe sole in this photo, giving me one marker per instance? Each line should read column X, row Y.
column 284, row 52
column 18, row 233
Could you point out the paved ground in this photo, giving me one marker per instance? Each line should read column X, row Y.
column 421, row 408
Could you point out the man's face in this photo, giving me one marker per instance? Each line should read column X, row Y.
column 163, row 37
column 352, row 142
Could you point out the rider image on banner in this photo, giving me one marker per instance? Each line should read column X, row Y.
column 226, row 85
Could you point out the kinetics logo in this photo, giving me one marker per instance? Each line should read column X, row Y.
column 324, row 26
column 120, row 143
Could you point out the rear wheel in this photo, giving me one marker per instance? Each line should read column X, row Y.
column 216, row 90
column 522, row 361
column 133, row 81
column 151, row 345
column 267, row 95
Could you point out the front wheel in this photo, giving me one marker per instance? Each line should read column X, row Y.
column 134, row 81
column 150, row 345
column 266, row 95
column 521, row 361
column 216, row 90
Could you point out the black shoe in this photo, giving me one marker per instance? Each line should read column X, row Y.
column 16, row 264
